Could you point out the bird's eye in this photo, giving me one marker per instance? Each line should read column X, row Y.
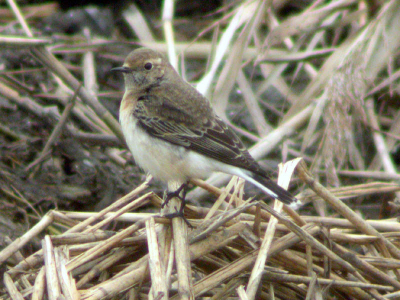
column 148, row 66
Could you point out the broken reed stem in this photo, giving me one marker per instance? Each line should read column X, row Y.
column 277, row 277
column 37, row 257
column 344, row 210
column 159, row 288
column 181, row 248
column 285, row 173
column 56, row 131
column 23, row 240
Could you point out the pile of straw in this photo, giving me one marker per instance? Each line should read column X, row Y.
column 313, row 80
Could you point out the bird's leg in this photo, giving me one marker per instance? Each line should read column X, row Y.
column 177, row 194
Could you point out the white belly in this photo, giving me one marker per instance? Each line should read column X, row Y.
column 161, row 159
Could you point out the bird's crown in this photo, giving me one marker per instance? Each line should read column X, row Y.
column 144, row 59
column 144, row 67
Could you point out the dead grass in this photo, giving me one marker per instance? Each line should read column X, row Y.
column 317, row 81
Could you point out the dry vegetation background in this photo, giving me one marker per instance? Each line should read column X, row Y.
column 311, row 79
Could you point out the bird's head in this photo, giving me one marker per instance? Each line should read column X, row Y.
column 143, row 68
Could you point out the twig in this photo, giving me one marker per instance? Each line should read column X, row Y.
column 137, row 21
column 276, row 277
column 380, row 143
column 52, row 282
column 283, row 180
column 11, row 287
column 23, row 240
column 20, row 18
column 181, row 248
column 159, row 283
column 252, row 105
column 167, row 16
column 343, row 209
column 39, row 286
column 56, row 132
column 18, row 42
column 241, row 264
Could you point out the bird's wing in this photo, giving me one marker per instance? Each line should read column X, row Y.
column 209, row 136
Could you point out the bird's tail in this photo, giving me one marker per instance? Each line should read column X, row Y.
column 271, row 188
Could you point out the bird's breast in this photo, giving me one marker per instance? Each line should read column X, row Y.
column 165, row 161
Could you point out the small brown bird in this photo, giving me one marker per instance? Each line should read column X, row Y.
column 173, row 132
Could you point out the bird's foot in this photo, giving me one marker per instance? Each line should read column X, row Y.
column 177, row 194
column 179, row 214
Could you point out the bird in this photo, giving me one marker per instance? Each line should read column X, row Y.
column 173, row 132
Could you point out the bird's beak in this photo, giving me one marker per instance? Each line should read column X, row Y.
column 121, row 69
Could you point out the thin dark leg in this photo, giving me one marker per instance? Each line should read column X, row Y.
column 177, row 194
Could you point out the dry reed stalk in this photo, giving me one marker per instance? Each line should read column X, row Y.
column 344, row 210
column 22, row 241
column 53, row 64
column 198, row 251
column 255, row 278
column 277, row 72
column 11, row 288
column 159, row 287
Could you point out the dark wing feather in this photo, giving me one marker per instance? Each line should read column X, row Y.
column 208, row 136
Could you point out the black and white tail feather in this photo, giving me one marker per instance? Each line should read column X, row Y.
column 275, row 191
column 263, row 182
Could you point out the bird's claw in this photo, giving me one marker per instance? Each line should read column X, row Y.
column 177, row 194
